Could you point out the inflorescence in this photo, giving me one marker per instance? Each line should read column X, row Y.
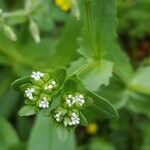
column 41, row 90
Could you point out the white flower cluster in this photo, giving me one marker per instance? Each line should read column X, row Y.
column 77, row 99
column 51, row 85
column 72, row 120
column 44, row 103
column 68, row 120
column 29, row 93
column 58, row 116
column 37, row 75
column 75, row 120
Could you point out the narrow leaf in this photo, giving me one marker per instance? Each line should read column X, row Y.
column 17, row 83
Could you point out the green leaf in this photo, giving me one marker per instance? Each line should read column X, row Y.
column 63, row 133
column 141, row 81
column 83, row 120
column 75, row 65
column 60, row 74
column 19, row 146
column 44, row 136
column 99, row 28
column 17, row 83
column 101, row 108
column 122, row 66
column 27, row 111
column 138, row 103
column 8, row 135
column 115, row 92
column 70, row 86
column 8, row 103
column 97, row 75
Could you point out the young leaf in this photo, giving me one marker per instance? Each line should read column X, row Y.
column 60, row 74
column 70, row 86
column 63, row 133
column 83, row 120
column 17, row 83
column 101, row 107
column 27, row 110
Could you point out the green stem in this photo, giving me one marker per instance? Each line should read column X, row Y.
column 90, row 27
column 85, row 68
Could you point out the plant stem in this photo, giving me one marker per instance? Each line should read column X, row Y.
column 96, row 54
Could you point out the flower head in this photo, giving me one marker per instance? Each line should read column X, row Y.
column 78, row 99
column 58, row 116
column 44, row 103
column 51, row 85
column 37, row 75
column 72, row 120
column 75, row 120
column 29, row 93
column 75, row 99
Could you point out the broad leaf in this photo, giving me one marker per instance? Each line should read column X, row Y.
column 122, row 66
column 99, row 27
column 63, row 133
column 44, row 136
column 97, row 75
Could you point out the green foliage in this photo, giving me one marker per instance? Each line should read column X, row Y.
column 8, row 135
column 43, row 136
column 95, row 70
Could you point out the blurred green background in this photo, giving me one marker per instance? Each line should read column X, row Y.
column 59, row 31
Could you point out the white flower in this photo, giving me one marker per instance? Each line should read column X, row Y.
column 29, row 93
column 69, row 100
column 75, row 120
column 78, row 99
column 58, row 116
column 44, row 103
column 51, row 85
column 37, row 75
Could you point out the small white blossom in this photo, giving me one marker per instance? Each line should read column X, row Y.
column 37, row 75
column 44, row 103
column 51, row 85
column 78, row 99
column 69, row 100
column 29, row 93
column 75, row 120
column 58, row 116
